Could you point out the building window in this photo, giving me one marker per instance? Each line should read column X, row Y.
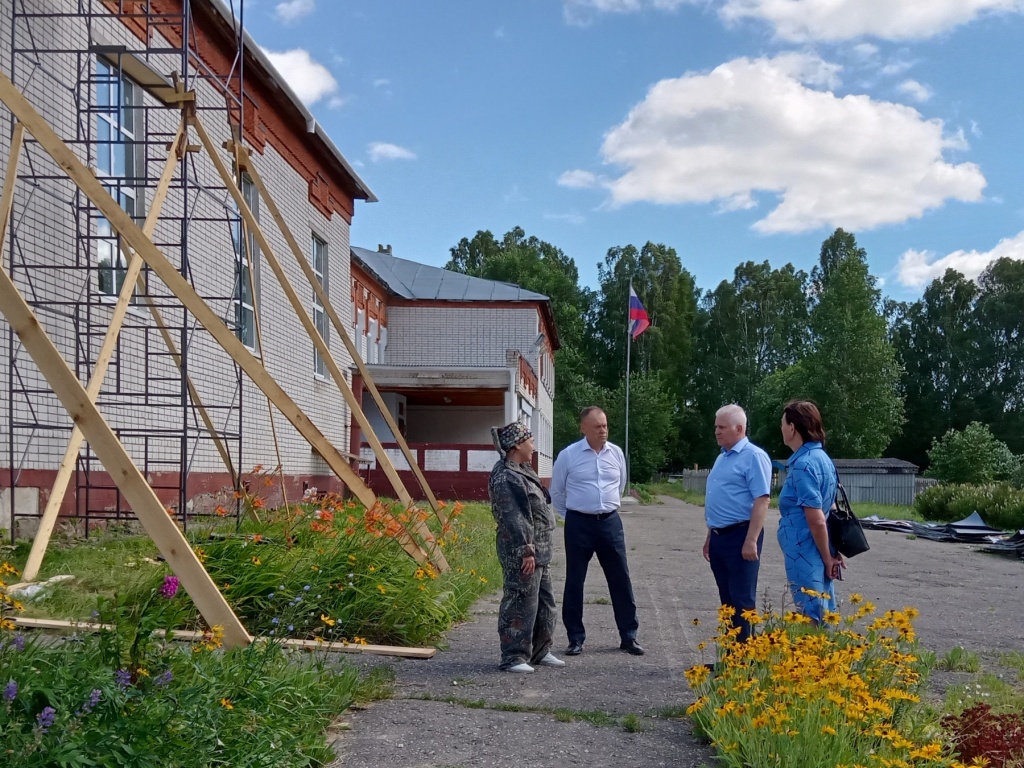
column 319, row 261
column 373, row 344
column 246, row 263
column 118, row 158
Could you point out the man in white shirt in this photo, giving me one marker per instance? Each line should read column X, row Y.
column 586, row 488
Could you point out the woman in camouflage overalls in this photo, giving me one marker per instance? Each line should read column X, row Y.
column 522, row 510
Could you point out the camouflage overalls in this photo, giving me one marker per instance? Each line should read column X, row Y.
column 521, row 508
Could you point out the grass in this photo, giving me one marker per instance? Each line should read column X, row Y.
column 676, row 491
column 959, row 660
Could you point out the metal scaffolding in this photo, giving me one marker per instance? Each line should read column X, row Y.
column 122, row 108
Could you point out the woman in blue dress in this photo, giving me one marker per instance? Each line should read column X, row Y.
column 809, row 490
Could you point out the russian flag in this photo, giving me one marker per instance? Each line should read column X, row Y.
column 638, row 319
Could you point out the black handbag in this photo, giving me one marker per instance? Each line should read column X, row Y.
column 844, row 529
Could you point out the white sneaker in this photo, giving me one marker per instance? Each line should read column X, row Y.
column 551, row 661
column 524, row 667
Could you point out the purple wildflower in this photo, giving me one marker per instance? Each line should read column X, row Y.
column 18, row 643
column 91, row 702
column 10, row 691
column 170, row 587
column 45, row 719
column 123, row 678
column 164, row 679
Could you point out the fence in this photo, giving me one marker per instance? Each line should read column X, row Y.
column 695, row 480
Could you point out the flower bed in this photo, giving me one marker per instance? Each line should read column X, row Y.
column 800, row 695
column 124, row 698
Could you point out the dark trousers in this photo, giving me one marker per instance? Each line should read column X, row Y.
column 526, row 617
column 586, row 536
column 736, row 577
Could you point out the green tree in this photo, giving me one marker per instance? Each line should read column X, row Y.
column 650, row 423
column 971, row 455
column 745, row 330
column 1001, row 316
column 851, row 371
column 669, row 295
column 945, row 382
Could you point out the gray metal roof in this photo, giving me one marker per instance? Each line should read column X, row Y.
column 877, row 466
column 411, row 280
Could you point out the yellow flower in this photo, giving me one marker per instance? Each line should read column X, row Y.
column 226, row 703
column 372, row 568
column 327, row 620
column 420, row 573
column 381, row 588
column 257, row 561
column 483, row 580
column 828, row 729
column 697, row 706
column 856, row 598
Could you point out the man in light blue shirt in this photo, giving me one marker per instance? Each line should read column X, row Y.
column 587, row 482
column 735, row 506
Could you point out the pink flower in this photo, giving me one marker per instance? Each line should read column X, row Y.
column 170, row 587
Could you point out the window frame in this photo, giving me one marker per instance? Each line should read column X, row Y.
column 320, row 245
column 245, row 311
column 119, row 156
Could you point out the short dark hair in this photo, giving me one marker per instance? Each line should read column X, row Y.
column 589, row 410
column 806, row 419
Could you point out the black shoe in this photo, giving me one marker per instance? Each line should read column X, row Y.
column 632, row 647
column 574, row 649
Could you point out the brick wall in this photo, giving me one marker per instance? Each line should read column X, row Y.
column 50, row 256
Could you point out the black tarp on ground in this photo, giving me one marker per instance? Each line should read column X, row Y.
column 972, row 530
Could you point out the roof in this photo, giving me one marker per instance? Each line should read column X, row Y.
column 876, row 466
column 867, row 466
column 412, row 280
column 312, row 126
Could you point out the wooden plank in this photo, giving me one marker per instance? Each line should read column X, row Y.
column 115, row 458
column 266, row 249
column 325, row 300
column 411, row 652
column 436, row 554
column 67, row 463
column 163, row 268
column 7, row 198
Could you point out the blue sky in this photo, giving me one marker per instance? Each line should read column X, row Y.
column 727, row 129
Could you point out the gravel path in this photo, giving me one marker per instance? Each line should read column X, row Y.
column 458, row 711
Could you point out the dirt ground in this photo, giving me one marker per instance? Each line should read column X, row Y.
column 458, row 711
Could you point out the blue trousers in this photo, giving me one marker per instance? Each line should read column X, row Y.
column 736, row 577
column 586, row 536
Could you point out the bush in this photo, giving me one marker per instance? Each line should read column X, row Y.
column 999, row 504
column 977, row 732
column 971, row 455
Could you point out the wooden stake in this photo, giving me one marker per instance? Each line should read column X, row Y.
column 436, row 554
column 115, row 458
column 67, row 463
column 352, row 350
column 185, row 634
column 123, row 224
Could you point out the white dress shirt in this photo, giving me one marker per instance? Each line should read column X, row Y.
column 588, row 481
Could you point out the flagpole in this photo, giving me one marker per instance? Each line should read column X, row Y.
column 629, row 348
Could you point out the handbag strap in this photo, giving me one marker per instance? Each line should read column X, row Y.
column 843, row 510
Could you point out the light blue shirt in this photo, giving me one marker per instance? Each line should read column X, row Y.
column 810, row 482
column 586, row 480
column 740, row 475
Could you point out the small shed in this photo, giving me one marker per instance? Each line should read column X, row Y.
column 879, row 481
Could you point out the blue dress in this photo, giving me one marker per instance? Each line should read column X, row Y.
column 810, row 482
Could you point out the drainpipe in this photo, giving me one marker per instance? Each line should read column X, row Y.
column 511, row 412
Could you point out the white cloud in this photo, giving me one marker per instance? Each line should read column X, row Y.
column 380, row 150
column 568, row 218
column 754, row 126
column 865, row 50
column 310, row 79
column 580, row 180
column 582, row 12
column 849, row 19
column 896, row 68
column 915, row 90
column 381, row 82
column 917, row 268
column 291, row 10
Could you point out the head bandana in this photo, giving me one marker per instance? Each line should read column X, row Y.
column 508, row 437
